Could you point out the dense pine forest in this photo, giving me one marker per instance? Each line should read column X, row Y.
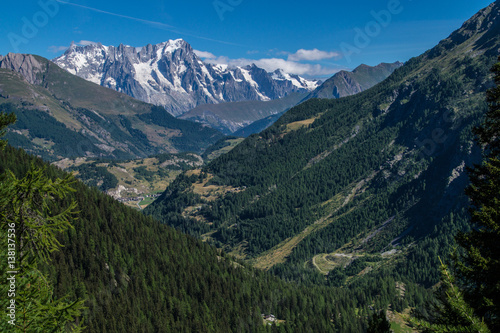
column 136, row 274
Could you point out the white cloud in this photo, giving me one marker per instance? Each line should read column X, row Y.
column 293, row 67
column 86, row 42
column 272, row 64
column 297, row 63
column 204, row 54
column 312, row 55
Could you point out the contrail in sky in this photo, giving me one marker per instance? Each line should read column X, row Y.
column 153, row 23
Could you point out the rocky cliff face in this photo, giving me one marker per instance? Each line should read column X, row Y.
column 172, row 75
column 24, row 64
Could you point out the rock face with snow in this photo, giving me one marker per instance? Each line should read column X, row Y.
column 172, row 75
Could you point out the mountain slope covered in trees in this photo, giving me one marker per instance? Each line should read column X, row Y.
column 138, row 275
column 350, row 187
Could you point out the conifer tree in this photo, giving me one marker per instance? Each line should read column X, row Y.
column 379, row 323
column 479, row 266
column 469, row 300
column 5, row 120
column 28, row 235
column 451, row 312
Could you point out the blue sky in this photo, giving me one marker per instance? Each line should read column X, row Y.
column 310, row 38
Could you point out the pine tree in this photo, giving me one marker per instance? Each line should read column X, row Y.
column 5, row 120
column 479, row 266
column 469, row 298
column 28, row 232
column 451, row 313
column 379, row 323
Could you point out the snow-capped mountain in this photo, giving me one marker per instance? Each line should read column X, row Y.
column 172, row 75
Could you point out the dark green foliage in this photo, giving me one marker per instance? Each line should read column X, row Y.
column 379, row 323
column 138, row 275
column 135, row 133
column 143, row 173
column 355, row 267
column 469, row 298
column 98, row 176
column 450, row 312
column 224, row 142
column 336, row 277
column 42, row 125
column 194, row 138
column 29, row 229
column 5, row 120
column 479, row 266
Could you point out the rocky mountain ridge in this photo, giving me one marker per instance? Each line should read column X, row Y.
column 346, row 83
column 170, row 74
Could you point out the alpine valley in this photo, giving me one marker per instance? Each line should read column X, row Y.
column 329, row 213
column 371, row 184
column 249, row 117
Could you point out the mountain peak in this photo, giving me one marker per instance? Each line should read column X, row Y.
column 483, row 20
column 345, row 83
column 483, row 25
column 171, row 45
column 172, row 75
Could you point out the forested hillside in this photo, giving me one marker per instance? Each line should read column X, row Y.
column 138, row 275
column 339, row 189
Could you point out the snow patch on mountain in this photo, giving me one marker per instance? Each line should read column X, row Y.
column 172, row 75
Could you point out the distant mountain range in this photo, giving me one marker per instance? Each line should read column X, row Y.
column 231, row 117
column 61, row 115
column 245, row 118
column 346, row 83
column 170, row 74
column 56, row 108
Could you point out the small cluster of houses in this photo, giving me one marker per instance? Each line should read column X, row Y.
column 138, row 198
column 130, row 199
